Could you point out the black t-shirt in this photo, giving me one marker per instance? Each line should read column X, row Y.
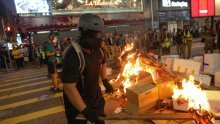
column 71, row 74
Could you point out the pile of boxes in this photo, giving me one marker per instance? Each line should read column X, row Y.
column 144, row 96
column 201, row 67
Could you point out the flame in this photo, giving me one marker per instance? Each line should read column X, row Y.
column 193, row 94
column 126, row 84
column 118, row 90
column 132, row 67
column 127, row 48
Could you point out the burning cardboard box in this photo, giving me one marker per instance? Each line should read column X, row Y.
column 141, row 97
column 190, row 96
column 164, row 86
column 180, row 104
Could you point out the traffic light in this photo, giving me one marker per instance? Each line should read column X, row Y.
column 8, row 31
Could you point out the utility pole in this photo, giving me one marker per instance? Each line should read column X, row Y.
column 9, row 55
column 152, row 14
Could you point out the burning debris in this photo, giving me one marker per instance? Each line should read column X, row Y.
column 191, row 98
column 187, row 97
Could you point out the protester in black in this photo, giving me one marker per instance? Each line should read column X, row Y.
column 179, row 42
column 83, row 95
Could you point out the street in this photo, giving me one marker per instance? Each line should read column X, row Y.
column 25, row 97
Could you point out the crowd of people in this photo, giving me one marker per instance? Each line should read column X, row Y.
column 159, row 41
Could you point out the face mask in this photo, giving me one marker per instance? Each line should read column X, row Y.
column 91, row 41
column 54, row 40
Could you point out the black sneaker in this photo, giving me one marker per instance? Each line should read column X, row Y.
column 52, row 88
column 58, row 90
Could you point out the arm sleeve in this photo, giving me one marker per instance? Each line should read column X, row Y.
column 70, row 73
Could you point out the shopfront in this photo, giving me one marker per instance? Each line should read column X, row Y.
column 173, row 13
column 40, row 15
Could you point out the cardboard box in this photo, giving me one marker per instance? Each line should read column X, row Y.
column 144, row 77
column 165, row 90
column 141, row 96
column 169, row 60
column 217, row 78
column 180, row 107
column 169, row 63
column 199, row 59
column 206, row 79
column 211, row 63
column 186, row 66
column 214, row 100
column 164, row 58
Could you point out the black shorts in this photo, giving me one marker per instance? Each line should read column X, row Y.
column 51, row 68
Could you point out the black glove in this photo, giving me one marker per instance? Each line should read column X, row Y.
column 108, row 86
column 90, row 115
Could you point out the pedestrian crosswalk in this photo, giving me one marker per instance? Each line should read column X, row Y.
column 25, row 96
column 26, row 99
column 33, row 115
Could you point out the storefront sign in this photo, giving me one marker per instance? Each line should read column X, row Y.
column 169, row 3
column 202, row 8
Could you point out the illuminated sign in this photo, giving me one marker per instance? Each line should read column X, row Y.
column 217, row 7
column 202, row 8
column 19, row 41
column 32, row 7
column 169, row 3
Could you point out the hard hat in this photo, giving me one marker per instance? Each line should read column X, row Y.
column 92, row 22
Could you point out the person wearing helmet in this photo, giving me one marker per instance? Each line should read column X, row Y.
column 82, row 93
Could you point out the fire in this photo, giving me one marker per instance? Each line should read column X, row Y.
column 126, row 84
column 192, row 95
column 131, row 69
column 127, row 48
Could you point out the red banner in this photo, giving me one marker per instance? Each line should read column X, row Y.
column 202, row 8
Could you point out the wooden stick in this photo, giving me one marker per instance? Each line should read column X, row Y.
column 150, row 116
